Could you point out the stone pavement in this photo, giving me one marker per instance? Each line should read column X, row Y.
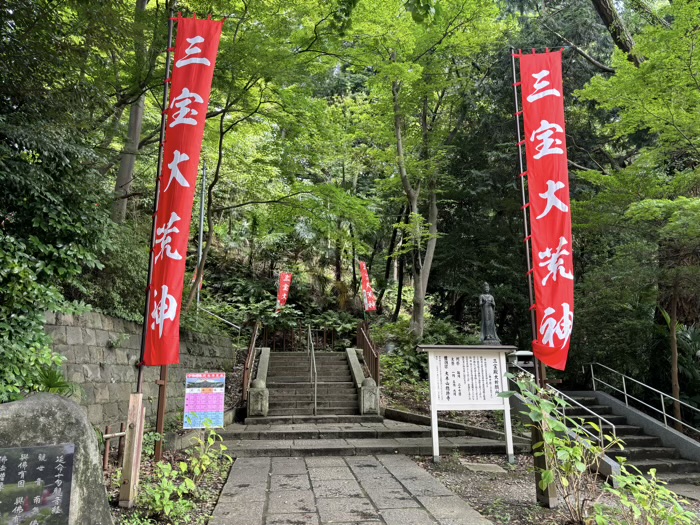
column 360, row 490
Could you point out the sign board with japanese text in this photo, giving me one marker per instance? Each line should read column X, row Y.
column 204, row 400
column 549, row 204
column 35, row 484
column 468, row 378
column 196, row 49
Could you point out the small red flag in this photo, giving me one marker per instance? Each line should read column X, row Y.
column 283, row 290
column 370, row 301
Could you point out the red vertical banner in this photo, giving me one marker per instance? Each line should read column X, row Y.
column 368, row 298
column 196, row 48
column 283, row 290
column 549, row 204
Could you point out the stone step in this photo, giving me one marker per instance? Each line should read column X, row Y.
column 680, row 477
column 308, row 410
column 309, row 396
column 287, row 379
column 320, row 403
column 292, row 432
column 654, row 453
column 623, row 430
column 320, row 419
column 357, row 447
column 585, row 400
column 615, row 420
column 666, row 465
column 601, row 410
column 325, row 386
column 641, row 441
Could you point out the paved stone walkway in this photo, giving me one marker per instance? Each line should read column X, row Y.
column 360, row 490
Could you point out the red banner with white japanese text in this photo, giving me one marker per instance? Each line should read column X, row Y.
column 196, row 48
column 368, row 298
column 549, row 205
column 283, row 290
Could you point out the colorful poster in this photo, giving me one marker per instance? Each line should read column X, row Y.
column 204, row 400
column 549, row 206
column 193, row 70
column 370, row 301
column 283, row 290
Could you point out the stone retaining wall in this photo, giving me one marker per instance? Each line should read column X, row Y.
column 101, row 354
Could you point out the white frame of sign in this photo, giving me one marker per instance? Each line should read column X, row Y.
column 483, row 396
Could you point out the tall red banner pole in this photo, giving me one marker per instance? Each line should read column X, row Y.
column 156, row 198
column 548, row 497
column 540, row 372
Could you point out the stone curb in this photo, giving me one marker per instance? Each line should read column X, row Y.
column 418, row 419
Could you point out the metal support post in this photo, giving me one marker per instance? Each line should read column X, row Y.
column 160, row 417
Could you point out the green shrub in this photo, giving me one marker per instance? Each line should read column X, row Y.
column 644, row 501
column 570, row 449
column 165, row 495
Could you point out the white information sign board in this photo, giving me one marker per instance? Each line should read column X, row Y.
column 468, row 378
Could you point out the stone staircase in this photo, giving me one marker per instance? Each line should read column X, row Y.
column 350, row 437
column 641, row 450
column 292, row 391
column 291, row 428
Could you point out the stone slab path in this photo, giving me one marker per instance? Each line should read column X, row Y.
column 360, row 490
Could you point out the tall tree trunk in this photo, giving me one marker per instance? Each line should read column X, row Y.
column 399, row 291
column 675, row 384
column 417, row 315
column 389, row 259
column 617, row 29
column 125, row 175
column 338, row 257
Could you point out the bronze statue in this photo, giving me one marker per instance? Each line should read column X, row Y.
column 488, row 317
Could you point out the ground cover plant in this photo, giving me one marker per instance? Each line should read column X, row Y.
column 182, row 488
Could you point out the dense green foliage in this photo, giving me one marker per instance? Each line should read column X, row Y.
column 356, row 130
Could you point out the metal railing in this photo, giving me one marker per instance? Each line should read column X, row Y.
column 233, row 325
column 249, row 360
column 369, row 352
column 313, row 373
column 575, row 404
column 625, row 378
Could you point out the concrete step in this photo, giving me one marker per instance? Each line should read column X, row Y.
column 641, row 441
column 615, row 420
column 291, row 432
column 338, row 411
column 667, row 465
column 623, row 430
column 308, row 411
column 352, row 447
column 309, row 396
column 297, row 420
column 585, row 400
column 287, row 379
column 635, row 453
column 680, row 477
column 320, row 403
column 326, row 388
column 601, row 410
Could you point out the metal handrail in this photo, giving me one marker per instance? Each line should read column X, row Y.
column 369, row 353
column 238, row 342
column 627, row 396
column 572, row 401
column 248, row 366
column 312, row 367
